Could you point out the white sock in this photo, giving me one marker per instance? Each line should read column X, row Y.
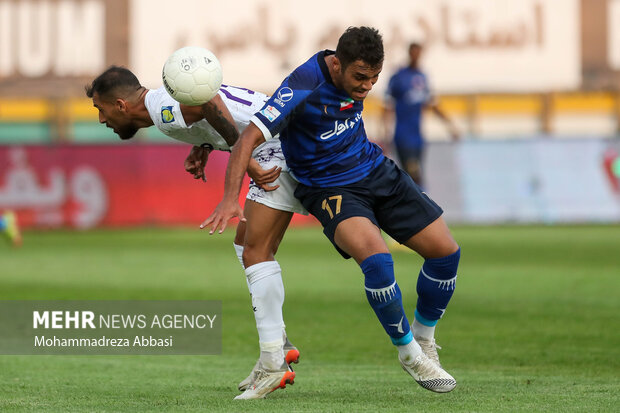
column 272, row 354
column 422, row 331
column 265, row 280
column 409, row 352
column 239, row 252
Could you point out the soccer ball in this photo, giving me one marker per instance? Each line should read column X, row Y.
column 192, row 75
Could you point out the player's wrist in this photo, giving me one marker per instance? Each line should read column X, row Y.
column 207, row 146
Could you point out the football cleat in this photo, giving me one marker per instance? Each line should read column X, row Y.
column 429, row 347
column 12, row 228
column 291, row 356
column 266, row 381
column 428, row 374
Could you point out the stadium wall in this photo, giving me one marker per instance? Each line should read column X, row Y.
column 538, row 180
column 523, row 181
column 86, row 186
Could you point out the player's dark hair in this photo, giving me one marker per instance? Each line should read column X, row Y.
column 116, row 81
column 360, row 43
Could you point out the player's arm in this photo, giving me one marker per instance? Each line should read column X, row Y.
column 218, row 116
column 452, row 129
column 238, row 162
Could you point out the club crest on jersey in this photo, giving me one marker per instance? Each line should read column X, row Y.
column 346, row 104
column 166, row 114
column 284, row 95
column 270, row 113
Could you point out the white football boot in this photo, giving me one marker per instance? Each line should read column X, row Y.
column 291, row 355
column 266, row 381
column 429, row 347
column 428, row 374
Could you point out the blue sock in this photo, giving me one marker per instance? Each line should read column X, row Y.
column 436, row 284
column 385, row 298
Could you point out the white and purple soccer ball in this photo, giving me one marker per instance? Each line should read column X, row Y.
column 192, row 75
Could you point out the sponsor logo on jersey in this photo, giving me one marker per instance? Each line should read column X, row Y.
column 346, row 104
column 341, row 126
column 284, row 95
column 270, row 113
column 166, row 114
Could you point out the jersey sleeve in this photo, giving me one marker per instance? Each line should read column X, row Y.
column 277, row 112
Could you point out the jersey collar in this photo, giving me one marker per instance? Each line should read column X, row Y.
column 321, row 60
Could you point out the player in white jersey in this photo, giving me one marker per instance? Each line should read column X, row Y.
column 242, row 104
column 126, row 106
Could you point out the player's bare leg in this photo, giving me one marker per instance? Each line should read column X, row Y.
column 264, row 230
column 362, row 239
column 436, row 281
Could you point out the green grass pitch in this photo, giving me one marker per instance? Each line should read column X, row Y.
column 533, row 325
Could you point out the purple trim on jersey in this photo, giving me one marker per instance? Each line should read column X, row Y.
column 235, row 98
column 250, row 91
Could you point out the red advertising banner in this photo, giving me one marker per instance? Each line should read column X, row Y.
column 109, row 185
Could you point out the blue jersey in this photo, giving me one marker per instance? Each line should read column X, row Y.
column 409, row 91
column 320, row 127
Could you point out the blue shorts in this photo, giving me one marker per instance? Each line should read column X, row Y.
column 388, row 197
column 407, row 155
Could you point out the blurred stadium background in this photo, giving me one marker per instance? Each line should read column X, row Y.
column 532, row 84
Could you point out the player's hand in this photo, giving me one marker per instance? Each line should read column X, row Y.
column 263, row 177
column 224, row 211
column 196, row 161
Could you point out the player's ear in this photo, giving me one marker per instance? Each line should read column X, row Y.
column 337, row 65
column 121, row 105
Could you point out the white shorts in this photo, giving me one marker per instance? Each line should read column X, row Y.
column 268, row 155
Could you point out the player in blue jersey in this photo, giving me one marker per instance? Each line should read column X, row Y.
column 407, row 95
column 10, row 228
column 355, row 191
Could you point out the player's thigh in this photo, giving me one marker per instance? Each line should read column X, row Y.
column 348, row 210
column 265, row 226
column 434, row 241
column 403, row 209
column 360, row 238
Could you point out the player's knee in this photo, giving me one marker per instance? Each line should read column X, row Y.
column 254, row 254
column 450, row 247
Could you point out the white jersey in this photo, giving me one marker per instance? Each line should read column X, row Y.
column 242, row 104
column 167, row 117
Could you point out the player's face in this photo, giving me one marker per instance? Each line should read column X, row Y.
column 114, row 115
column 414, row 54
column 358, row 78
